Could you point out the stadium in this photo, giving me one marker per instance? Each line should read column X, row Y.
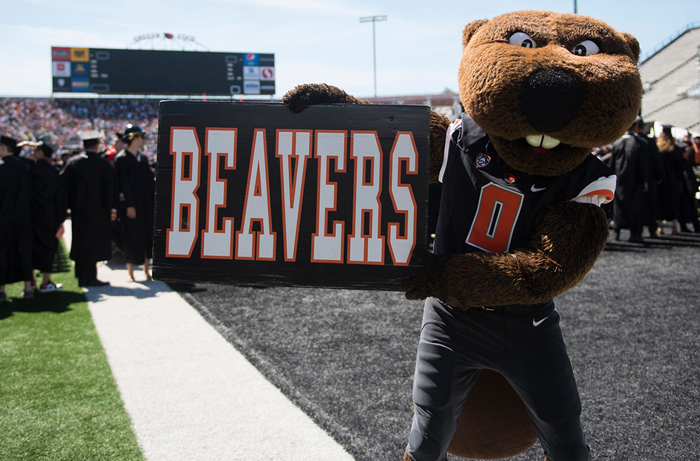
column 180, row 368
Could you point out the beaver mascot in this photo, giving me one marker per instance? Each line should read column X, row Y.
column 519, row 223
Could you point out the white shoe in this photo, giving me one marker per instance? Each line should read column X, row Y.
column 49, row 287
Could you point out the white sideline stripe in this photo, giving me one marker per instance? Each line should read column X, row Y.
column 191, row 395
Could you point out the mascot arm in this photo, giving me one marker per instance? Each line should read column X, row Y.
column 303, row 96
column 568, row 238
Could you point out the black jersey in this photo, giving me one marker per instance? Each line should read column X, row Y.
column 488, row 206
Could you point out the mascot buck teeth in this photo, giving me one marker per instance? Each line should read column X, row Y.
column 520, row 223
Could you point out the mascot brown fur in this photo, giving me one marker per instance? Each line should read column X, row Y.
column 546, row 88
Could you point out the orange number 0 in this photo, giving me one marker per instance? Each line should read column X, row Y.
column 495, row 218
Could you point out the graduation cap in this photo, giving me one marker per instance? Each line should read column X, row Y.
column 9, row 140
column 131, row 132
column 48, row 141
column 90, row 135
column 91, row 138
column 637, row 124
column 667, row 131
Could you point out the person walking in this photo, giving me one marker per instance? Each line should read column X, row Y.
column 689, row 187
column 15, row 222
column 90, row 190
column 655, row 177
column 669, row 194
column 630, row 162
column 136, row 191
column 48, row 211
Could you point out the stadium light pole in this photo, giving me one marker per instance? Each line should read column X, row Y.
column 575, row 8
column 373, row 20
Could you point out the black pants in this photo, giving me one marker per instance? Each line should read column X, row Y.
column 85, row 271
column 524, row 345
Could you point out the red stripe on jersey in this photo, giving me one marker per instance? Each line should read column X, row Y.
column 607, row 193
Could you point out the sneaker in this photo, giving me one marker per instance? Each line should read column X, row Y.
column 3, row 297
column 49, row 287
column 28, row 294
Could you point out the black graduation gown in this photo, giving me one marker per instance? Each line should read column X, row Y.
column 136, row 188
column 48, row 213
column 669, row 192
column 630, row 162
column 15, row 221
column 689, row 186
column 89, row 184
column 654, row 175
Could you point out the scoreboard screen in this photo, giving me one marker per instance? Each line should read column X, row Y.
column 116, row 71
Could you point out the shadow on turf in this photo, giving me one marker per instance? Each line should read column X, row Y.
column 57, row 303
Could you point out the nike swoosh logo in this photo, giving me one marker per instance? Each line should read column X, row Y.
column 537, row 189
column 537, row 323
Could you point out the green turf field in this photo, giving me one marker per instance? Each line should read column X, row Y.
column 58, row 399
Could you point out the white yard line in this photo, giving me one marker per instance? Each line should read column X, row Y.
column 191, row 395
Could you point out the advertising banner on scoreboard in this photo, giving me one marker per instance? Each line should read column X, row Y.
column 253, row 194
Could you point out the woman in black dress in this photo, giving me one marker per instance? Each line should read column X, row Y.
column 135, row 203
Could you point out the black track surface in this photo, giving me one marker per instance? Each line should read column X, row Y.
column 346, row 357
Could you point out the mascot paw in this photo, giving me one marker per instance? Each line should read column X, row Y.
column 310, row 94
column 302, row 96
column 424, row 283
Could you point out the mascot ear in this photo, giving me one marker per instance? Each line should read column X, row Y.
column 470, row 29
column 633, row 44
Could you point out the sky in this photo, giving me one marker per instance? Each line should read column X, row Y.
column 418, row 47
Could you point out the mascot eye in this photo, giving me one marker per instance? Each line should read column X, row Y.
column 522, row 39
column 586, row 48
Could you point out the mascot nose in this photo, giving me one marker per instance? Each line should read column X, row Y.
column 551, row 98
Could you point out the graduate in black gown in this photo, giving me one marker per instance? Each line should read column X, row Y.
column 136, row 195
column 48, row 211
column 630, row 162
column 655, row 177
column 689, row 187
column 15, row 219
column 89, row 181
column 669, row 193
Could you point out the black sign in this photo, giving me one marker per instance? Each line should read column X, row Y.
column 114, row 71
column 335, row 196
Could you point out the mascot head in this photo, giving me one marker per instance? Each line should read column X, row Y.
column 549, row 87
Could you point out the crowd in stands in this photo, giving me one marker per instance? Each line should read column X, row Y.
column 64, row 118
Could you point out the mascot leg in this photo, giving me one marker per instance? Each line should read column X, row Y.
column 465, row 408
column 442, row 380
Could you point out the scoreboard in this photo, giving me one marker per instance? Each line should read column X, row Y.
column 118, row 71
